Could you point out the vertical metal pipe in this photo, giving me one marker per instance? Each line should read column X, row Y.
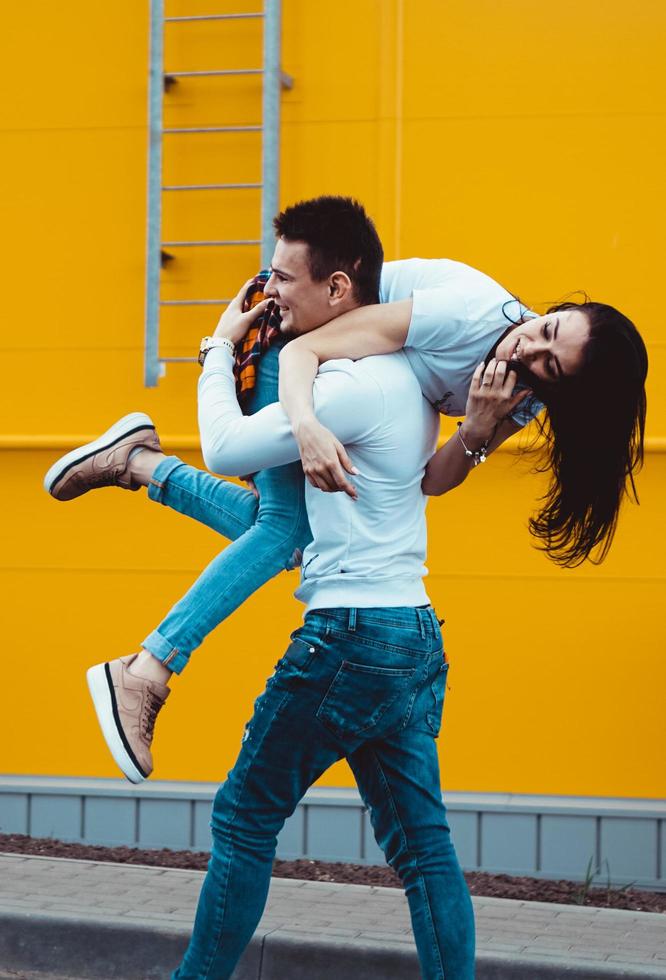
column 271, row 123
column 154, row 200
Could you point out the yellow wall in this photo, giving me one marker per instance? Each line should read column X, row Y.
column 524, row 138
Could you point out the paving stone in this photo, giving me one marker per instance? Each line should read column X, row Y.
column 589, row 953
column 626, row 958
column 142, row 915
column 494, row 942
column 495, row 912
column 550, row 942
column 536, row 949
column 388, row 937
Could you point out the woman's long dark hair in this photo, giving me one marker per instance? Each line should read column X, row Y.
column 593, row 438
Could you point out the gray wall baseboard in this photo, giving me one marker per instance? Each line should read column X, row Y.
column 540, row 836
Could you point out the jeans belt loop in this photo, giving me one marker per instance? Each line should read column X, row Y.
column 352, row 621
column 420, row 616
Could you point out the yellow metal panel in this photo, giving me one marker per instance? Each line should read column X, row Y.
column 74, row 65
column 515, row 59
column 524, row 139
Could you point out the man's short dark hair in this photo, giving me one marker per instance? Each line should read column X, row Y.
column 340, row 238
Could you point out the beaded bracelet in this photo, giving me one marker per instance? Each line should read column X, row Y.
column 476, row 455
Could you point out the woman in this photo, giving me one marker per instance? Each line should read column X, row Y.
column 585, row 363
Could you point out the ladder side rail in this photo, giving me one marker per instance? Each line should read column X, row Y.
column 154, row 200
column 270, row 165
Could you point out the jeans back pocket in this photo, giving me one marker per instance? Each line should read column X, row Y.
column 362, row 697
column 437, row 692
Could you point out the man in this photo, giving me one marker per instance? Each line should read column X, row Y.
column 327, row 264
column 363, row 678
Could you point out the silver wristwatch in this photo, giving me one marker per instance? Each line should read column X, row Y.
column 208, row 343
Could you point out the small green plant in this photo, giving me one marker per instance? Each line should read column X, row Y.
column 590, row 874
column 583, row 891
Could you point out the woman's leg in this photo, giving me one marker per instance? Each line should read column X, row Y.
column 258, row 553
column 218, row 503
column 273, row 543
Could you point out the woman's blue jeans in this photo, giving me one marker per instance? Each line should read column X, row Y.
column 367, row 685
column 267, row 535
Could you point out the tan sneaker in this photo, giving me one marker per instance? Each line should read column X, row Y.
column 127, row 707
column 103, row 462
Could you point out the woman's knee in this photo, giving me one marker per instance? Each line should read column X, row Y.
column 288, row 529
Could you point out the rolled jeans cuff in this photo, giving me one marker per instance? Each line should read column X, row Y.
column 170, row 656
column 162, row 472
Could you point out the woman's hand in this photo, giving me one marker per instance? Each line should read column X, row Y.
column 325, row 461
column 251, row 485
column 490, row 399
column 234, row 324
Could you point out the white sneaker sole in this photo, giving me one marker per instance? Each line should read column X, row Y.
column 119, row 430
column 104, row 699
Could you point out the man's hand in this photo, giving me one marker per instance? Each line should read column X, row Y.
column 490, row 399
column 325, row 461
column 234, row 324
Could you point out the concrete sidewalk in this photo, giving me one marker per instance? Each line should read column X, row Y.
column 86, row 919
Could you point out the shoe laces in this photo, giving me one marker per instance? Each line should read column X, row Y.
column 152, row 705
column 106, row 478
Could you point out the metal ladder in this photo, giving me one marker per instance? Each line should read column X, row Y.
column 273, row 81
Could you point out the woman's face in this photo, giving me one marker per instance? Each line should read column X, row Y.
column 550, row 346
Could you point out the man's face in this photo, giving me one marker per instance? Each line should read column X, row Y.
column 303, row 303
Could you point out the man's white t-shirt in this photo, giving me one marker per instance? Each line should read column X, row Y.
column 458, row 314
column 366, row 552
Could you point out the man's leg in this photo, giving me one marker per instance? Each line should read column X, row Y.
column 397, row 772
column 349, row 678
column 398, row 779
column 284, row 750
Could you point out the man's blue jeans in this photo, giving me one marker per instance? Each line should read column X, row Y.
column 267, row 535
column 368, row 685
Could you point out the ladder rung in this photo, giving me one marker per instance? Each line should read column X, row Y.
column 171, row 20
column 209, row 187
column 214, row 129
column 233, row 241
column 203, row 74
column 194, row 302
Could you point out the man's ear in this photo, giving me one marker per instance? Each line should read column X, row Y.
column 339, row 287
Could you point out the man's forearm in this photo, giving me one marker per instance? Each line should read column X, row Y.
column 232, row 443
